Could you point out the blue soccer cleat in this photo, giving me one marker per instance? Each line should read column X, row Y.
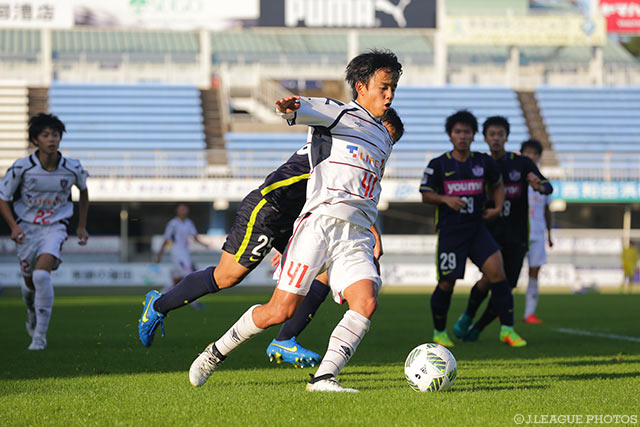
column 291, row 352
column 150, row 319
column 461, row 328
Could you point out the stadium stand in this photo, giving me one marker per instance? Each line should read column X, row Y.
column 423, row 110
column 133, row 130
column 13, row 122
column 17, row 44
column 148, row 45
column 595, row 131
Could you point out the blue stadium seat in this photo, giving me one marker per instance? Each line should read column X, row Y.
column 134, row 129
column 593, row 128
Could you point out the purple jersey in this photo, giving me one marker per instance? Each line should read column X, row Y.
column 467, row 180
column 513, row 223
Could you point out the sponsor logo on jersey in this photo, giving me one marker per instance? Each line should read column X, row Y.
column 466, row 187
column 358, row 153
column 512, row 191
column 478, row 170
column 514, row 175
column 428, row 171
column 449, row 173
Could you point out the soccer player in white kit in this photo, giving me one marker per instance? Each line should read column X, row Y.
column 177, row 232
column 349, row 150
column 40, row 187
column 539, row 221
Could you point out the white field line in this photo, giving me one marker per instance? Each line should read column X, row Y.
column 596, row 334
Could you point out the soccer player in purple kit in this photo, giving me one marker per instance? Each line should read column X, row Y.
column 510, row 229
column 455, row 182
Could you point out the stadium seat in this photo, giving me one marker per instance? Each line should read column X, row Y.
column 136, row 129
column 594, row 130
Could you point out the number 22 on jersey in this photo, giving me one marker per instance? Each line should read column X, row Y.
column 42, row 216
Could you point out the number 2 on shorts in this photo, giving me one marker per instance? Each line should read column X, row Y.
column 293, row 270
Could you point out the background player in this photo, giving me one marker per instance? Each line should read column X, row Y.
column 511, row 228
column 285, row 347
column 455, row 182
column 540, row 220
column 40, row 187
column 177, row 233
column 349, row 149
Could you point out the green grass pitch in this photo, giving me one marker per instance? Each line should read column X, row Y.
column 96, row 372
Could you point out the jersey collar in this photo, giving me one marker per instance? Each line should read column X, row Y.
column 36, row 158
column 376, row 119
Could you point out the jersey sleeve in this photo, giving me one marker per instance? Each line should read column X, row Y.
column 169, row 231
column 432, row 177
column 10, row 182
column 492, row 171
column 192, row 229
column 316, row 112
column 546, row 185
column 80, row 174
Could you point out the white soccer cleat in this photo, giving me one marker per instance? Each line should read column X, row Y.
column 31, row 322
column 328, row 383
column 38, row 343
column 204, row 365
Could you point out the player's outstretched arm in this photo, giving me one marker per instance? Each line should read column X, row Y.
column 17, row 235
column 309, row 111
column 199, row 241
column 288, row 105
column 158, row 257
column 83, row 236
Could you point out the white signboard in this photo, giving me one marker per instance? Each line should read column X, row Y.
column 393, row 274
column 36, row 14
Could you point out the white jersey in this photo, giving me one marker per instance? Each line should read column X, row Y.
column 349, row 150
column 41, row 196
column 537, row 224
column 178, row 232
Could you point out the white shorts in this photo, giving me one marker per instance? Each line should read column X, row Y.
column 537, row 255
column 38, row 240
column 180, row 268
column 319, row 243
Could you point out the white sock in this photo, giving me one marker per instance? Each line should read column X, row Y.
column 241, row 331
column 43, row 301
column 343, row 343
column 532, row 297
column 28, row 296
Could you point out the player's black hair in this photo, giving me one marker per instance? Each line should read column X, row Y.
column 392, row 117
column 364, row 66
column 463, row 116
column 496, row 121
column 532, row 144
column 41, row 121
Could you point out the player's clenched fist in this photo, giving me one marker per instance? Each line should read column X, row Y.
column 455, row 203
column 288, row 104
column 17, row 235
column 534, row 181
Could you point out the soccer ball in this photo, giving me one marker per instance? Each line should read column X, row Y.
column 430, row 367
